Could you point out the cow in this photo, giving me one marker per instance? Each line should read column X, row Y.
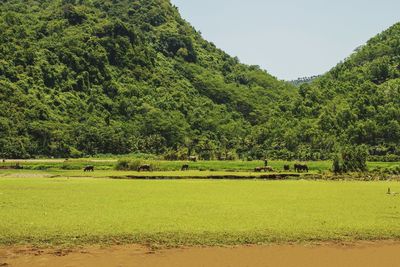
column 265, row 169
column 192, row 158
column 258, row 169
column 305, row 168
column 268, row 169
column 185, row 167
column 286, row 167
column 298, row 167
column 301, row 168
column 145, row 167
column 89, row 168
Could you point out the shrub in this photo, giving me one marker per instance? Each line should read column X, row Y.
column 351, row 159
column 178, row 154
column 128, row 164
column 75, row 153
column 384, row 158
column 393, row 170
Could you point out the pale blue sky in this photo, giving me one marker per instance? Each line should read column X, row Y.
column 290, row 38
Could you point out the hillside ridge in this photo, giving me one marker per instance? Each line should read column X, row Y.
column 88, row 77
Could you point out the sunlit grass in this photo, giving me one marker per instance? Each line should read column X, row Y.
column 65, row 211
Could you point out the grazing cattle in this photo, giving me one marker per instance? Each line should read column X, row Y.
column 286, row 167
column 257, row 169
column 301, row 168
column 192, row 158
column 145, row 167
column 185, row 167
column 268, row 169
column 265, row 169
column 89, row 169
column 305, row 168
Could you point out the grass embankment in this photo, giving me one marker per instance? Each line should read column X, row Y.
column 194, row 212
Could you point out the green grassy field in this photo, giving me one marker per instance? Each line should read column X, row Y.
column 194, row 212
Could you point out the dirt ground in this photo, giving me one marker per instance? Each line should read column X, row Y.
column 353, row 255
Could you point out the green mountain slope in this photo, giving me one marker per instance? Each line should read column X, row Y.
column 81, row 77
column 84, row 77
column 358, row 101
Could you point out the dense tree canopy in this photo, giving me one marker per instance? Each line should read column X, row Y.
column 83, row 77
column 358, row 101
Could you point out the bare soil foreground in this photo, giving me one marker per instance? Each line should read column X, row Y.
column 363, row 254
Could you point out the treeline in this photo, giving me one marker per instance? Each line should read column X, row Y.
column 304, row 80
column 88, row 77
column 358, row 101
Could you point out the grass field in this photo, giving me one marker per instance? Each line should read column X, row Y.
column 206, row 212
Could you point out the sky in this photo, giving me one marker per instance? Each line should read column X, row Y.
column 289, row 38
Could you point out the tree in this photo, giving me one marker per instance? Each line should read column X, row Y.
column 351, row 159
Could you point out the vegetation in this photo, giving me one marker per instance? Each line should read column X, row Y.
column 391, row 170
column 357, row 102
column 304, row 80
column 126, row 164
column 82, row 211
column 351, row 159
column 89, row 77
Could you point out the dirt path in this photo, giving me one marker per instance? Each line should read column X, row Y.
column 360, row 254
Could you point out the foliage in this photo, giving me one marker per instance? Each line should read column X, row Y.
column 83, row 78
column 95, row 77
column 351, row 159
column 128, row 164
column 392, row 170
column 357, row 102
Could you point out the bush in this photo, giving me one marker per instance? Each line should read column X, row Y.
column 178, row 154
column 394, row 170
column 351, row 159
column 75, row 153
column 384, row 158
column 128, row 164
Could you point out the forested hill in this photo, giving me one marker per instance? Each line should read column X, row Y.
column 358, row 101
column 82, row 77
column 86, row 77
